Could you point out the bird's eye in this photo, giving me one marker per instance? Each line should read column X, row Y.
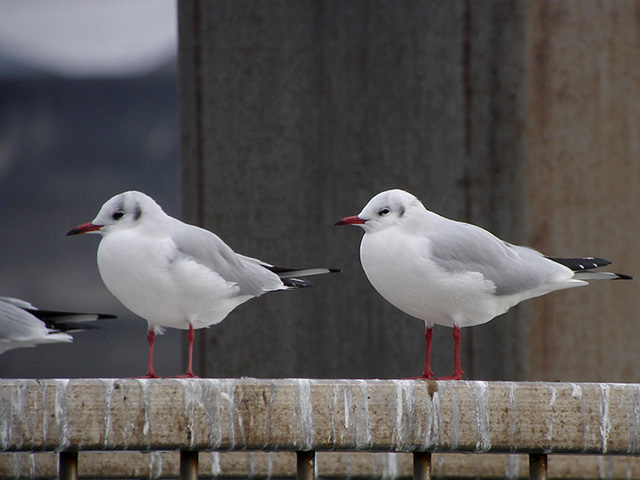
column 384, row 211
column 118, row 215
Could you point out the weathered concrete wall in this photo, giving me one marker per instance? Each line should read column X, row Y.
column 295, row 113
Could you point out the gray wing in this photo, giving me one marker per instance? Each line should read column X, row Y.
column 461, row 247
column 208, row 249
column 18, row 324
column 17, row 302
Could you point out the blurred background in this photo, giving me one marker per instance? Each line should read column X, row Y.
column 88, row 109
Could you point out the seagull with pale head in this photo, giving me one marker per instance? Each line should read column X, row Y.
column 177, row 275
column 451, row 273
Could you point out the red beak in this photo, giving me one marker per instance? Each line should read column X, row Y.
column 350, row 221
column 84, row 228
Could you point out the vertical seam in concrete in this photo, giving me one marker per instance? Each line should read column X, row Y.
column 466, row 77
column 494, row 160
column 468, row 106
column 199, row 147
column 199, row 144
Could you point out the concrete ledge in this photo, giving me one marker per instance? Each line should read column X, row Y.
column 303, row 414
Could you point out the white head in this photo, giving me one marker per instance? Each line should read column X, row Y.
column 386, row 209
column 125, row 210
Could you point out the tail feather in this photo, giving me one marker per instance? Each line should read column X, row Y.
column 601, row 276
column 289, row 275
column 622, row 276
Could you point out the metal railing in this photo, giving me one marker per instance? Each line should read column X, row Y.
column 308, row 416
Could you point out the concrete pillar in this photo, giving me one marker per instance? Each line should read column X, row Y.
column 582, row 163
column 295, row 113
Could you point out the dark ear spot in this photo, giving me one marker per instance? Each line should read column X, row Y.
column 137, row 212
column 401, row 212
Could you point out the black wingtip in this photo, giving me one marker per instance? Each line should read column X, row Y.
column 296, row 283
column 581, row 263
column 44, row 314
column 283, row 271
column 64, row 321
column 299, row 283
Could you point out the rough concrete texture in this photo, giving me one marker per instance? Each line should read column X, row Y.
column 303, row 414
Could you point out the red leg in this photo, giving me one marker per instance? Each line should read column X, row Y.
column 189, row 372
column 427, row 373
column 151, row 336
column 457, row 370
column 428, row 336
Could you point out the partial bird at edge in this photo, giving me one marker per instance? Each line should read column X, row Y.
column 24, row 325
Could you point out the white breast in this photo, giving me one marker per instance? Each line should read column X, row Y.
column 399, row 268
column 152, row 280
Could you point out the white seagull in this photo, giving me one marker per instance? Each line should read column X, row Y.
column 452, row 273
column 177, row 275
column 23, row 325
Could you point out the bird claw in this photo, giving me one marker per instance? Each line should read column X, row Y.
column 430, row 376
column 454, row 376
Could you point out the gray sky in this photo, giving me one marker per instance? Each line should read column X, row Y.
column 88, row 37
